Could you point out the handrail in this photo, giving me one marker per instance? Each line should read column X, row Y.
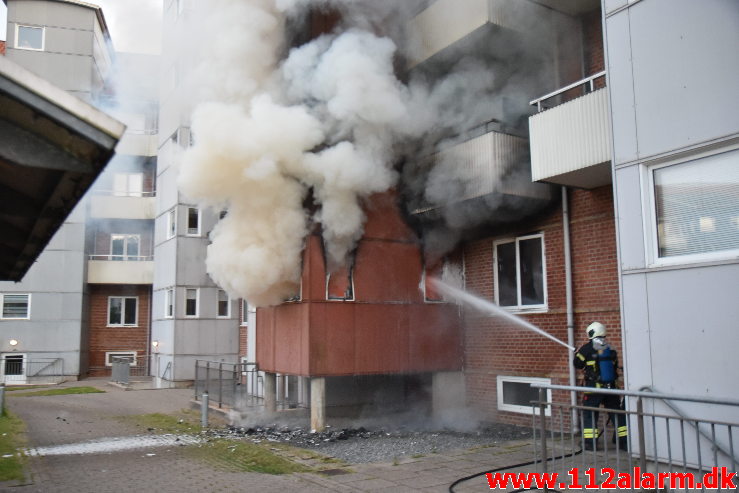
column 650, row 395
column 680, row 414
column 587, row 80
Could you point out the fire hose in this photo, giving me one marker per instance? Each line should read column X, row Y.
column 513, row 466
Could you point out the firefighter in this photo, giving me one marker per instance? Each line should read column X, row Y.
column 599, row 364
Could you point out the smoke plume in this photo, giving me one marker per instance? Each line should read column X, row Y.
column 325, row 124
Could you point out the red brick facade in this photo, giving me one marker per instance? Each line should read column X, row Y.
column 494, row 347
column 104, row 338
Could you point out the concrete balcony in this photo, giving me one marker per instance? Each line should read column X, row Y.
column 106, row 269
column 138, row 144
column 571, row 142
column 132, row 206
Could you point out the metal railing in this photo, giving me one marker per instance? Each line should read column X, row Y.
column 668, row 441
column 35, row 371
column 121, row 258
column 235, row 385
column 125, row 193
column 588, row 82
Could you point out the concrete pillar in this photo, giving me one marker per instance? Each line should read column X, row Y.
column 318, row 403
column 292, row 392
column 448, row 397
column 304, row 391
column 270, row 392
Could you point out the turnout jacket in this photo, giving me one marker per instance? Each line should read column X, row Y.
column 588, row 358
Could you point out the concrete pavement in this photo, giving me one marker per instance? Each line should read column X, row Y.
column 71, row 419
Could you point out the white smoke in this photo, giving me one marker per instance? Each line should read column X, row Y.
column 265, row 135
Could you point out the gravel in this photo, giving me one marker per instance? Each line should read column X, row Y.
column 361, row 445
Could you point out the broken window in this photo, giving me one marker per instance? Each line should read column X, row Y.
column 340, row 284
column 520, row 280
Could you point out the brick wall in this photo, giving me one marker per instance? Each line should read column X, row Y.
column 2, row 47
column 496, row 347
column 593, row 44
column 104, row 338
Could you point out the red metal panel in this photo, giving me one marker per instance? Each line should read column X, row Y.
column 435, row 337
column 314, row 270
column 387, row 271
column 381, row 338
column 332, row 338
column 290, row 321
column 384, row 220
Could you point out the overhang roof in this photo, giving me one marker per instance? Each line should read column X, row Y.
column 52, row 148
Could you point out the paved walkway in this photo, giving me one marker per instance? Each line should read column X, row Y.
column 71, row 419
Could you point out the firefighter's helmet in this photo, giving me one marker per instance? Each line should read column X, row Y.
column 596, row 329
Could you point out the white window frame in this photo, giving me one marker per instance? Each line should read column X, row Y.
column 515, row 408
column 649, row 212
column 43, row 37
column 172, row 223
column 200, row 221
column 110, row 354
column 123, row 311
column 519, row 307
column 169, row 302
column 125, row 237
column 228, row 304
column 28, row 304
column 197, row 302
column 128, row 185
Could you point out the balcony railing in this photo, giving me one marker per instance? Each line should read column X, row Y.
column 124, row 193
column 588, row 82
column 126, row 258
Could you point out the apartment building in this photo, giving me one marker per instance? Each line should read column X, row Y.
column 676, row 172
column 45, row 321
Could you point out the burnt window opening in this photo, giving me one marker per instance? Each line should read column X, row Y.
column 520, row 273
column 340, row 284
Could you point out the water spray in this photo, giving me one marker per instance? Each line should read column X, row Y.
column 485, row 306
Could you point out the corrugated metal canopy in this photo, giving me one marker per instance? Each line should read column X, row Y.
column 52, row 147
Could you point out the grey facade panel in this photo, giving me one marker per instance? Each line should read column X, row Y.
column 681, row 104
column 630, row 218
column 621, row 88
column 68, row 72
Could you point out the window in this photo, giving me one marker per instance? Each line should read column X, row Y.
column 191, row 302
column 128, row 184
column 124, row 247
column 29, row 37
column 696, row 208
column 129, row 355
column 516, row 393
column 244, row 312
column 340, row 284
column 520, row 277
column 122, row 311
column 169, row 303
column 193, row 221
column 15, row 306
column 224, row 304
column 171, row 223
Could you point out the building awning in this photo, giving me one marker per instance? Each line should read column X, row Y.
column 52, row 148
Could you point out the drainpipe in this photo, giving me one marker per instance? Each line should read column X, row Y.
column 569, row 301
